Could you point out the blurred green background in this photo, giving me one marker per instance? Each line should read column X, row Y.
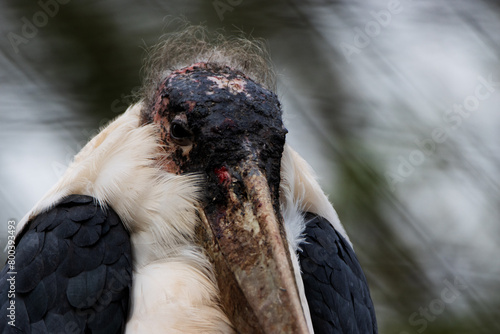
column 392, row 102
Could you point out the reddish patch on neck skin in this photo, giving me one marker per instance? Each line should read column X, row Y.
column 223, row 175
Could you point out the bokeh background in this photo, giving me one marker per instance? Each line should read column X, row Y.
column 394, row 104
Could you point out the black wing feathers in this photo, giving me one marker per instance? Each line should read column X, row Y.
column 335, row 286
column 74, row 272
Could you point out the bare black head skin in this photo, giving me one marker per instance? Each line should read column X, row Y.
column 212, row 117
column 218, row 122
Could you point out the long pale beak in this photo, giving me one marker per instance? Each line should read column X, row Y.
column 246, row 241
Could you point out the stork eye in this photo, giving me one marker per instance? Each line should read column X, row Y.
column 180, row 134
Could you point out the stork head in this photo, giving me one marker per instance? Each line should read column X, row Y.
column 218, row 122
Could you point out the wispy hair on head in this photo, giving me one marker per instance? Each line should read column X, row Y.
column 195, row 43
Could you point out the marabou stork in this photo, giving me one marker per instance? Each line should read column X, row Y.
column 188, row 213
